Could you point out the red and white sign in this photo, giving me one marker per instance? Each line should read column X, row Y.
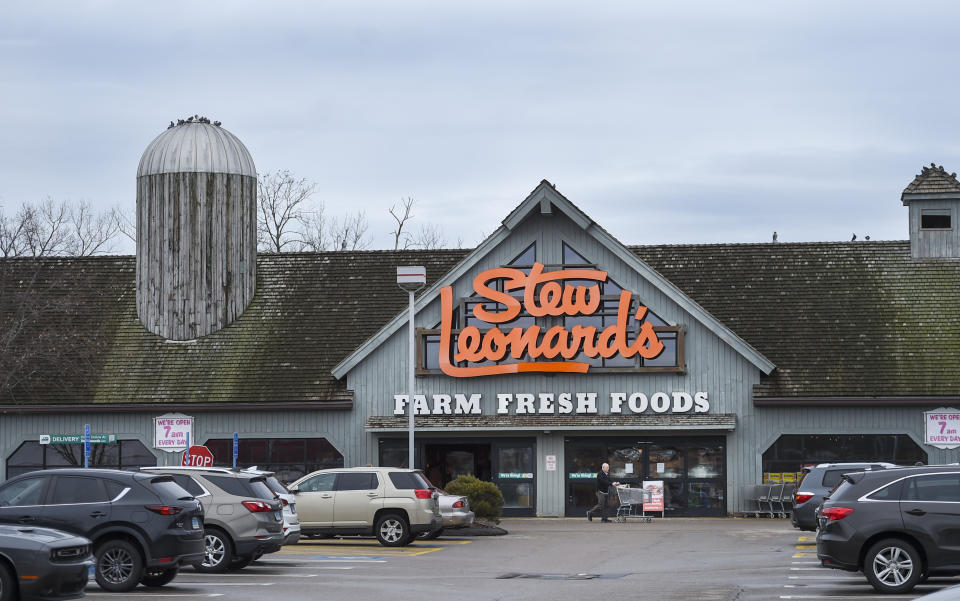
column 172, row 432
column 656, row 495
column 942, row 428
column 200, row 456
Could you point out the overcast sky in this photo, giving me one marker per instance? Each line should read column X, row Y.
column 667, row 122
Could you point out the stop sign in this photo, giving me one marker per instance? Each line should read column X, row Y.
column 200, row 456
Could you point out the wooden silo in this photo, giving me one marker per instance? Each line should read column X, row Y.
column 196, row 230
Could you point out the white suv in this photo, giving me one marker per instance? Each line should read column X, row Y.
column 393, row 504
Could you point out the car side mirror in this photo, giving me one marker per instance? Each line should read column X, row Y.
column 293, row 489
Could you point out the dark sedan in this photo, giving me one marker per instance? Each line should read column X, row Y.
column 42, row 564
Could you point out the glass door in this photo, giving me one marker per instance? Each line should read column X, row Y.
column 514, row 473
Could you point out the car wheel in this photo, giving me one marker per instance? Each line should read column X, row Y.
column 153, row 577
column 392, row 530
column 217, row 552
column 8, row 585
column 892, row 566
column 119, row 567
column 238, row 563
column 430, row 535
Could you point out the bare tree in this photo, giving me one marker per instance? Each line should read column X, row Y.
column 90, row 232
column 398, row 234
column 283, row 202
column 126, row 223
column 350, row 232
column 53, row 228
column 428, row 236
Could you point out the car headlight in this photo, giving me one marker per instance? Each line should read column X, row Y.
column 70, row 553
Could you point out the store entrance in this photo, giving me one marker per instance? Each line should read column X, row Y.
column 693, row 471
column 510, row 463
column 444, row 462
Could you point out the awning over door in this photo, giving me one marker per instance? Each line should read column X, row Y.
column 446, row 423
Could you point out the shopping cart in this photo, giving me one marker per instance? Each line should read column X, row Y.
column 631, row 503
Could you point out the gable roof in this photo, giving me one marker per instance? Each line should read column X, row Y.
column 545, row 198
column 854, row 319
column 933, row 182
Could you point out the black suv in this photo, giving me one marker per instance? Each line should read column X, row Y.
column 143, row 526
column 898, row 526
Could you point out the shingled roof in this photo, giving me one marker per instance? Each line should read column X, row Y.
column 932, row 180
column 858, row 319
column 839, row 319
column 310, row 310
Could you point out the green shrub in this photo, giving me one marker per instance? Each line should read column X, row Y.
column 485, row 498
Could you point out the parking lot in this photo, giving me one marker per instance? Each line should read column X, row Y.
column 556, row 559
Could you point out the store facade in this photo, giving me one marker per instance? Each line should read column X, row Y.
column 542, row 353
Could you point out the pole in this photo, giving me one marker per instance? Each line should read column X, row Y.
column 86, row 445
column 186, row 452
column 236, row 448
column 412, row 359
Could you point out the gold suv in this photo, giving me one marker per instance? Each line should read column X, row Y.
column 393, row 504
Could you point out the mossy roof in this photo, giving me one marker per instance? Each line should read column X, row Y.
column 857, row 319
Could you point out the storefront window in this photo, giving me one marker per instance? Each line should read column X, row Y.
column 665, row 462
column 626, row 463
column 704, row 462
column 516, row 459
column 705, row 495
column 123, row 455
column 791, row 452
column 517, row 495
column 290, row 458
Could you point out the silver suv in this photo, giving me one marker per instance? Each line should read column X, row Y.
column 393, row 504
column 243, row 518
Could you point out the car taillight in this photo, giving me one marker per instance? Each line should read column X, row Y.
column 803, row 497
column 257, row 506
column 423, row 493
column 458, row 504
column 165, row 509
column 285, row 502
column 835, row 513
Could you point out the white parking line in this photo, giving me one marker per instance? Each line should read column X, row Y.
column 250, row 574
column 837, row 577
column 151, row 595
column 851, row 596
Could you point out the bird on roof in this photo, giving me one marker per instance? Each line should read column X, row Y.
column 774, row 236
column 171, row 125
column 217, row 123
column 854, row 238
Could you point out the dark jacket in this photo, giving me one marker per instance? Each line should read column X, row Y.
column 603, row 481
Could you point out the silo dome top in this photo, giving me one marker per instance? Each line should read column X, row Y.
column 195, row 145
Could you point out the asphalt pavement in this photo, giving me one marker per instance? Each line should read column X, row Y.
column 545, row 559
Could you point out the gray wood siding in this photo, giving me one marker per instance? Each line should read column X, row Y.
column 196, row 251
column 929, row 244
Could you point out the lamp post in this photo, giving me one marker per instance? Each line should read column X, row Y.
column 411, row 279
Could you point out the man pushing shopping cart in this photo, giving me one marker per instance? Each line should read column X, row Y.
column 603, row 493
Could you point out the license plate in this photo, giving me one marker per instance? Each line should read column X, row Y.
column 278, row 515
column 195, row 522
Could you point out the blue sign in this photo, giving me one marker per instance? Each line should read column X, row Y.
column 86, row 445
column 236, row 448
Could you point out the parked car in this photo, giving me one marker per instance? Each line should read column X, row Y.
column 291, row 522
column 815, row 485
column 393, row 504
column 43, row 563
column 454, row 513
column 244, row 518
column 898, row 526
column 143, row 526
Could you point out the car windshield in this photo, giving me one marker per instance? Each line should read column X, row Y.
column 169, row 489
column 409, row 480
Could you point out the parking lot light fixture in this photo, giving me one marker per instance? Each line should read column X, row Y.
column 411, row 279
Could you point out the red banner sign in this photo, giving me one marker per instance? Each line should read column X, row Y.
column 544, row 293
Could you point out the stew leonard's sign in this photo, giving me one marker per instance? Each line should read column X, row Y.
column 543, row 295
column 548, row 402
